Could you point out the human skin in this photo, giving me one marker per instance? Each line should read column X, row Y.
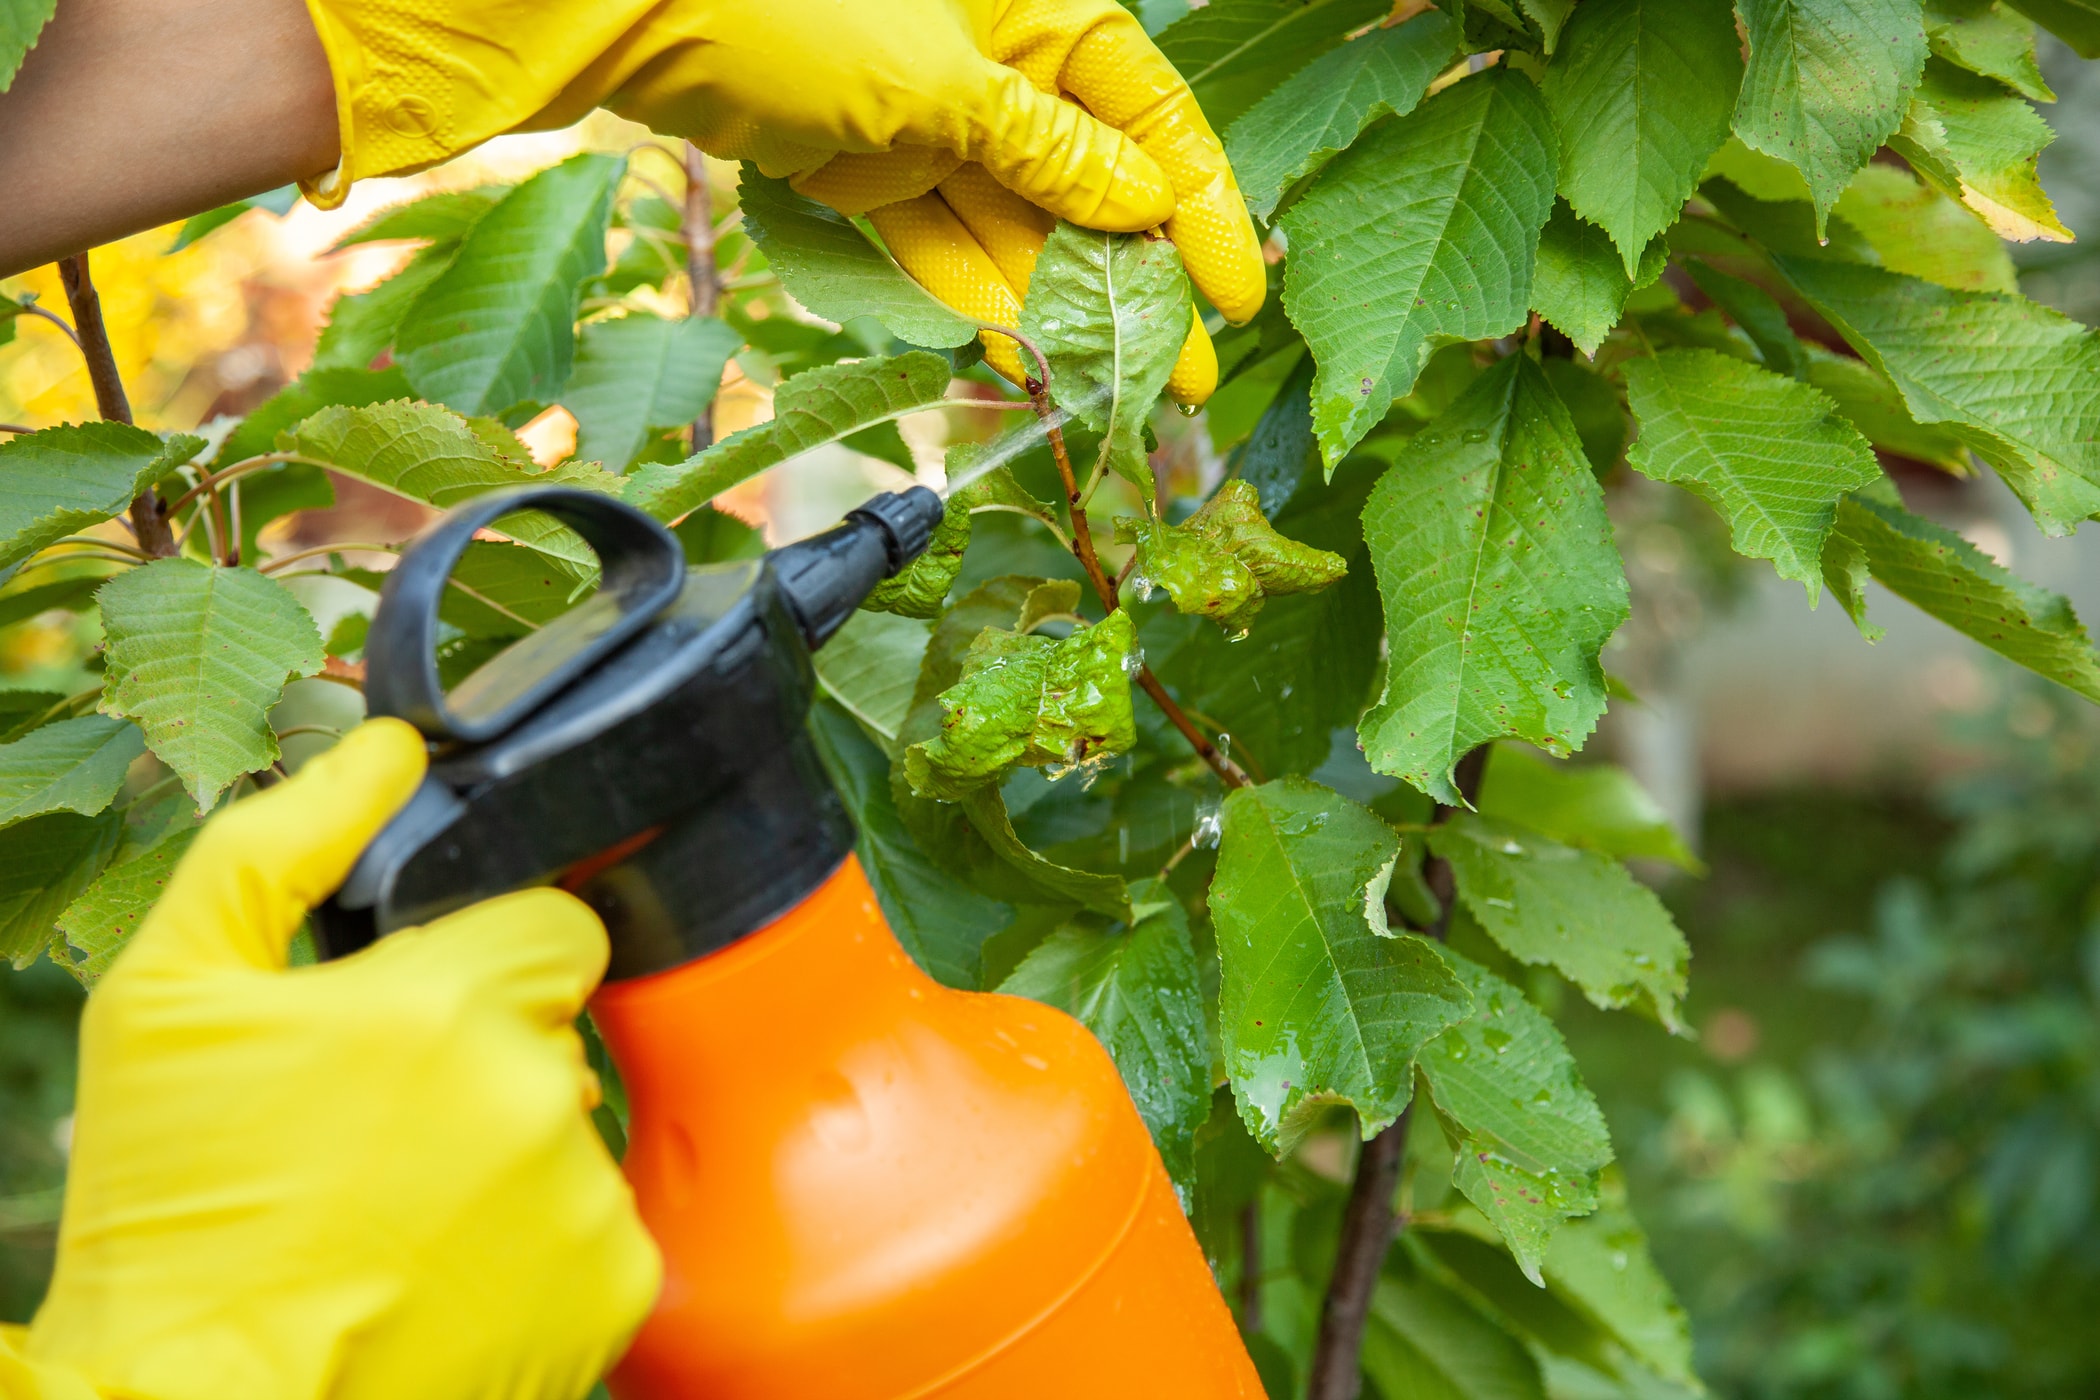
column 132, row 113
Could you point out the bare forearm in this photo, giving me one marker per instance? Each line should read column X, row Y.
column 132, row 113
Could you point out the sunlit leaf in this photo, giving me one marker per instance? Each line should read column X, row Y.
column 642, row 372
column 1596, row 805
column 63, row 480
column 1979, row 143
column 1233, row 51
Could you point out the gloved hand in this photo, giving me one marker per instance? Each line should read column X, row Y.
column 370, row 1180
column 864, row 104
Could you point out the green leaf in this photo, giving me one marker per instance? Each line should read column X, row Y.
column 1425, row 1340
column 74, row 594
column 445, row 218
column 815, row 407
column 2076, row 22
column 1864, row 395
column 1951, row 579
column 103, row 919
column 1575, row 910
column 831, row 267
column 1771, row 454
column 1234, row 51
column 643, row 372
column 422, row 452
column 1597, row 805
column 1988, row 39
column 62, row 480
column 76, row 765
column 1828, row 82
column 1530, row 1136
column 313, row 391
column 198, row 655
column 25, row 711
column 1138, row 991
column 1424, row 228
column 1024, row 700
column 21, row 21
column 1601, row 1264
column 940, row 921
column 871, row 668
column 1325, row 106
column 1500, row 580
column 278, row 201
column 1979, row 143
column 498, row 326
column 1757, row 312
column 1919, row 231
column 1226, row 559
column 1640, row 92
column 44, row 863
column 1306, row 664
column 1580, row 285
column 985, row 811
column 1321, row 1002
column 496, row 590
column 1111, row 311
column 922, row 587
column 2018, row 382
column 362, row 325
column 979, row 488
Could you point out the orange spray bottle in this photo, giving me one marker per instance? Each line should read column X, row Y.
column 867, row 1186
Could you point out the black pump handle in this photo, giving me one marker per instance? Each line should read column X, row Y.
column 641, row 572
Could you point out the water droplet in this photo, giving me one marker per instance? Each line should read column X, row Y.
column 1188, row 410
column 1210, row 827
column 1142, row 582
column 1475, row 435
column 1239, row 636
column 1496, row 1039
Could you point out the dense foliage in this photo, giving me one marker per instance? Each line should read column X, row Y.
column 1314, row 884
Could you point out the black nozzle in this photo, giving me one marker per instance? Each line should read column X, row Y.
column 825, row 578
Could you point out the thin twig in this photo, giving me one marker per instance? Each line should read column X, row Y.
column 706, row 296
column 275, row 565
column 46, row 314
column 15, row 428
column 149, row 513
column 1250, row 1267
column 295, row 730
column 1367, row 1220
column 100, row 556
column 97, row 542
column 1082, row 545
column 211, row 481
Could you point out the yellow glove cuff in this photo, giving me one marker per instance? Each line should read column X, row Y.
column 418, row 81
column 22, row 1379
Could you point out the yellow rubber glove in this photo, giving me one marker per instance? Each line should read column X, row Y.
column 862, row 103
column 370, row 1180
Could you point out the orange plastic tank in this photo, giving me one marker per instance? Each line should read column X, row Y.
column 870, row 1187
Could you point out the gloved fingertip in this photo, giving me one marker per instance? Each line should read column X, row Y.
column 1137, row 195
column 544, row 949
column 1195, row 375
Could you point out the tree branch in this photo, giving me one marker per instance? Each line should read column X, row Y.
column 1230, row 773
column 149, row 513
column 1367, row 1220
column 700, row 264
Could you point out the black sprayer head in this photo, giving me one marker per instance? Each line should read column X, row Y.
column 646, row 750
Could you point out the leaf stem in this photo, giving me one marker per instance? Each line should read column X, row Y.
column 46, row 314
column 276, row 565
column 96, row 542
column 1368, row 1220
column 149, row 513
column 1082, row 546
column 16, row 428
column 211, row 481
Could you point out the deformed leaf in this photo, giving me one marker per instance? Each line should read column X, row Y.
column 62, row 480
column 941, row 922
column 1321, row 1002
column 198, row 655
column 75, row 765
column 1979, row 143
column 1770, row 453
column 107, row 914
column 815, row 407
column 1951, row 579
column 497, row 327
column 1026, row 700
column 832, row 268
column 1641, row 92
column 1226, row 559
column 1137, row 989
column 922, row 587
column 1597, row 805
column 1325, row 106
column 1500, row 579
column 1426, row 227
column 1575, row 910
column 1530, row 1136
column 2016, row 381
column 642, row 372
column 1828, row 82
column 1580, row 285
column 1110, row 311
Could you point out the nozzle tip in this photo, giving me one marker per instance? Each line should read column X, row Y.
column 908, row 518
